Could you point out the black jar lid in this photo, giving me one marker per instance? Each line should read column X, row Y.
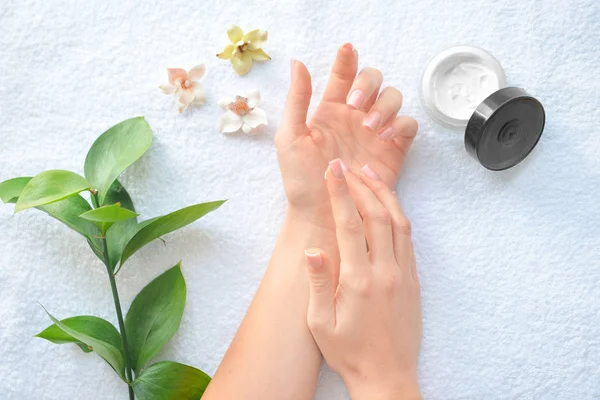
column 504, row 128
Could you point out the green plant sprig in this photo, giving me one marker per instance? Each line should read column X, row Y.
column 114, row 234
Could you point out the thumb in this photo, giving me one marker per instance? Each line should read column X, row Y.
column 322, row 291
column 298, row 98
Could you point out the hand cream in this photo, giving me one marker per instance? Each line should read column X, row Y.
column 464, row 87
column 456, row 81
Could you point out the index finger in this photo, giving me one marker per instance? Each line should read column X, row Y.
column 348, row 223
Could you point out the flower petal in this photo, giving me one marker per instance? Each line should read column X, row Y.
column 253, row 97
column 181, row 107
column 242, row 62
column 235, row 33
column 226, row 53
column 255, row 118
column 199, row 95
column 246, row 128
column 167, row 88
column 197, row 72
column 259, row 55
column 224, row 102
column 175, row 73
column 256, row 38
column 230, row 122
column 186, row 97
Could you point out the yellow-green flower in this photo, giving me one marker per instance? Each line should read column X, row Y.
column 244, row 49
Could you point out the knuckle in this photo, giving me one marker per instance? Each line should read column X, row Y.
column 363, row 286
column 379, row 214
column 320, row 282
column 391, row 281
column 342, row 71
column 379, row 188
column 352, row 225
column 402, row 225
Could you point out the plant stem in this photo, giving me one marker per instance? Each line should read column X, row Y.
column 115, row 293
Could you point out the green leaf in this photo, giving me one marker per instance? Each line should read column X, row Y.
column 167, row 380
column 105, row 216
column 11, row 189
column 49, row 187
column 167, row 224
column 68, row 211
column 101, row 340
column 55, row 335
column 118, row 235
column 112, row 213
column 87, row 324
column 118, row 194
column 114, row 151
column 154, row 316
column 122, row 230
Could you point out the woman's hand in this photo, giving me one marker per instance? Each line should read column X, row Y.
column 353, row 122
column 365, row 315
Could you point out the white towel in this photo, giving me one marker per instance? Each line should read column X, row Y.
column 509, row 262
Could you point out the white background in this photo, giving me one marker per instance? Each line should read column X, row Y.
column 509, row 262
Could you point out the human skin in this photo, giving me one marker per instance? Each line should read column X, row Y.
column 365, row 312
column 273, row 355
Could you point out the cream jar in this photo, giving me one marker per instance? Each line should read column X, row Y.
column 464, row 88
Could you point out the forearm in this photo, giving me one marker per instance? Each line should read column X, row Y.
column 273, row 355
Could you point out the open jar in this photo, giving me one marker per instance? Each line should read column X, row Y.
column 464, row 88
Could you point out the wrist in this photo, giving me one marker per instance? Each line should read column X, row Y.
column 301, row 231
column 315, row 219
column 317, row 226
column 399, row 388
column 385, row 394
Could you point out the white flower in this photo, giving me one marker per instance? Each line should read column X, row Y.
column 242, row 112
column 185, row 86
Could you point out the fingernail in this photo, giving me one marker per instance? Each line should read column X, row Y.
column 314, row 258
column 372, row 175
column 372, row 120
column 394, row 193
column 356, row 99
column 348, row 46
column 344, row 166
column 336, row 168
column 386, row 134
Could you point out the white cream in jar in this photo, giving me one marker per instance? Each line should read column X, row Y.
column 456, row 81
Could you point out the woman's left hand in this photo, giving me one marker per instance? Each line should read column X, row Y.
column 354, row 122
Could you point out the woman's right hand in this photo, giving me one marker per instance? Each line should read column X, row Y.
column 365, row 315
